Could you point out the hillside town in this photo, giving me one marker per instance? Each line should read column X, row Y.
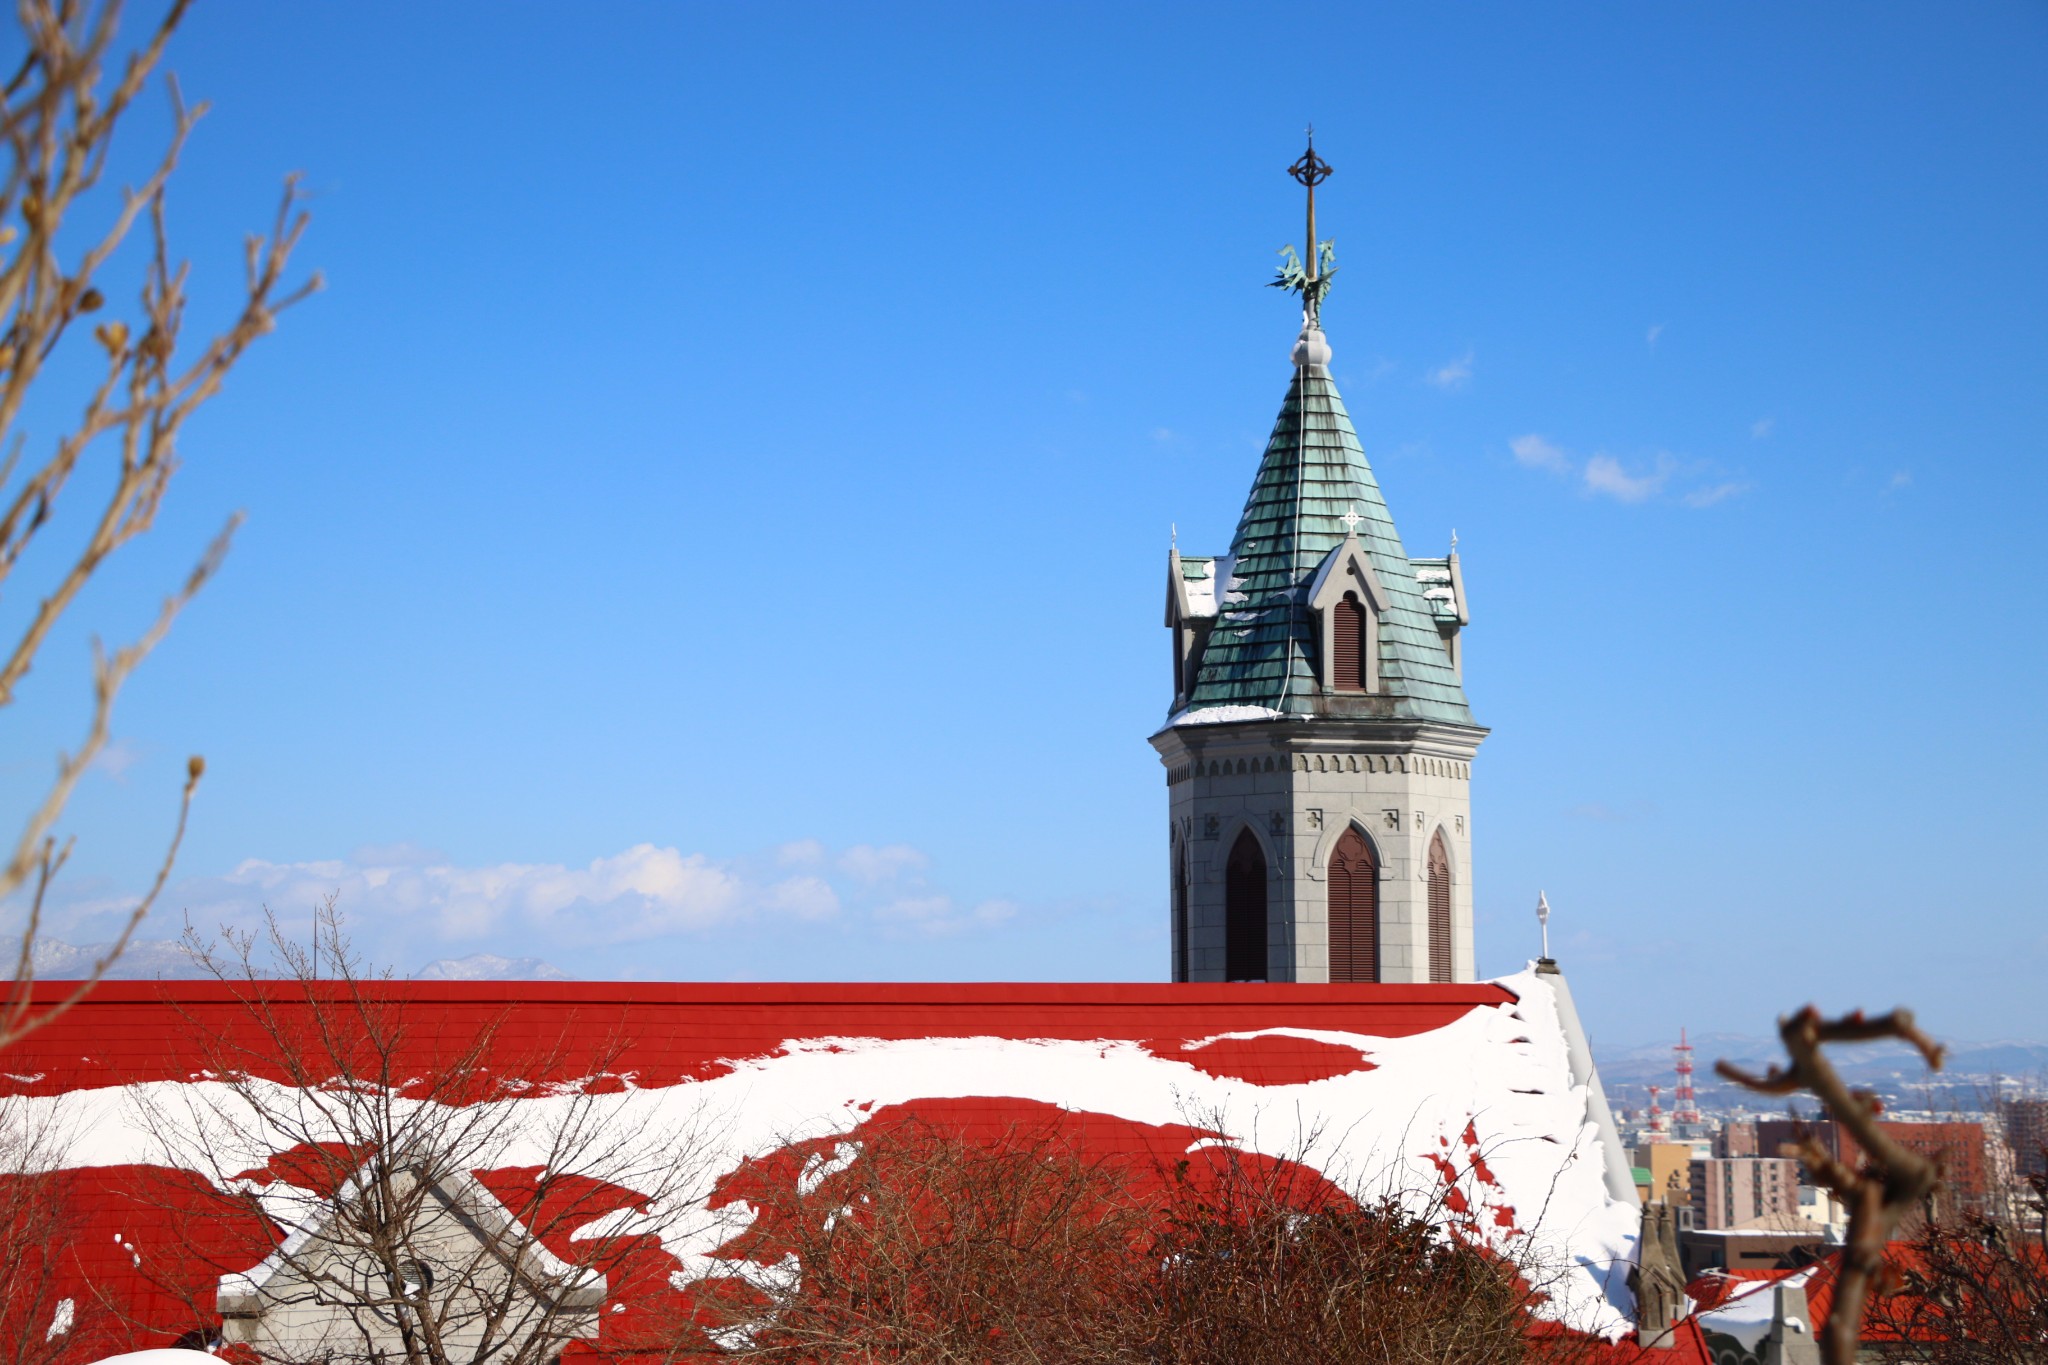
column 1744, row 1205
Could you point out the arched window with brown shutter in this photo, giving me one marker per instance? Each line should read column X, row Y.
column 1354, row 909
column 1439, row 909
column 1244, row 911
column 1348, row 645
column 1180, row 912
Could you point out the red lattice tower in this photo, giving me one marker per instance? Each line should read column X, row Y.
column 1684, row 1108
column 1656, row 1114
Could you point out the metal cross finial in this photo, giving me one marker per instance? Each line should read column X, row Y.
column 1311, row 170
column 1351, row 520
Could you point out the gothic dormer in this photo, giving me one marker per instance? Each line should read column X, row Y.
column 1345, row 604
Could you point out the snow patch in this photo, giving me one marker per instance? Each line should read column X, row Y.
column 1223, row 715
column 1747, row 1317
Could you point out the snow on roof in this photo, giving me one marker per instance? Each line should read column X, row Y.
column 1746, row 1315
column 1731, row 1300
column 1396, row 1090
column 1223, row 715
column 1439, row 588
column 1198, row 584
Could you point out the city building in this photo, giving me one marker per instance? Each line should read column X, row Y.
column 1780, row 1243
column 1668, row 1167
column 2025, row 1120
column 1738, row 1137
column 1728, row 1192
column 1958, row 1146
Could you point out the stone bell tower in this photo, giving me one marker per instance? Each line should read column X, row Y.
column 1319, row 750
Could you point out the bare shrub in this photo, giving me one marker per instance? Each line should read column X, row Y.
column 1970, row 1291
column 912, row 1242
column 443, row 1196
column 1259, row 1266
column 38, row 1325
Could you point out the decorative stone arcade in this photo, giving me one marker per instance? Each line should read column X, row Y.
column 1319, row 748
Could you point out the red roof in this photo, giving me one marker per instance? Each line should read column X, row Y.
column 1717, row 1288
column 1424, row 1083
column 678, row 1031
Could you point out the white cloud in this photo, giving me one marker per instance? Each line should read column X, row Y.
column 995, row 912
column 405, row 905
column 920, row 909
column 865, row 863
column 1650, row 337
column 114, row 759
column 940, row 915
column 1452, row 375
column 1900, row 479
column 1761, row 427
column 1716, row 493
column 639, row 893
column 801, row 853
column 804, row 897
column 1162, row 435
column 1537, row 453
column 1605, row 475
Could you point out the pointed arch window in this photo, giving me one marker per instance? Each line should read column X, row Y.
column 1354, row 909
column 1439, row 909
column 1180, row 912
column 1244, row 911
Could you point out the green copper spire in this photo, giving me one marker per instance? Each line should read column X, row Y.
column 1314, row 487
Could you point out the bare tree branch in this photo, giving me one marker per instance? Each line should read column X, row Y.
column 58, row 120
column 1892, row 1182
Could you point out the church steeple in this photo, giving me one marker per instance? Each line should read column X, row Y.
column 1318, row 650
column 1314, row 492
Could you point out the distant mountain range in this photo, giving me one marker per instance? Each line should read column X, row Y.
column 490, row 967
column 167, row 960
column 1892, row 1069
column 143, row 960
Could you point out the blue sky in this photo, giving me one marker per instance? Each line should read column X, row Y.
column 714, row 523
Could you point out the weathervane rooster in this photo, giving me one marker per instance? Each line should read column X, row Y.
column 1312, row 281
